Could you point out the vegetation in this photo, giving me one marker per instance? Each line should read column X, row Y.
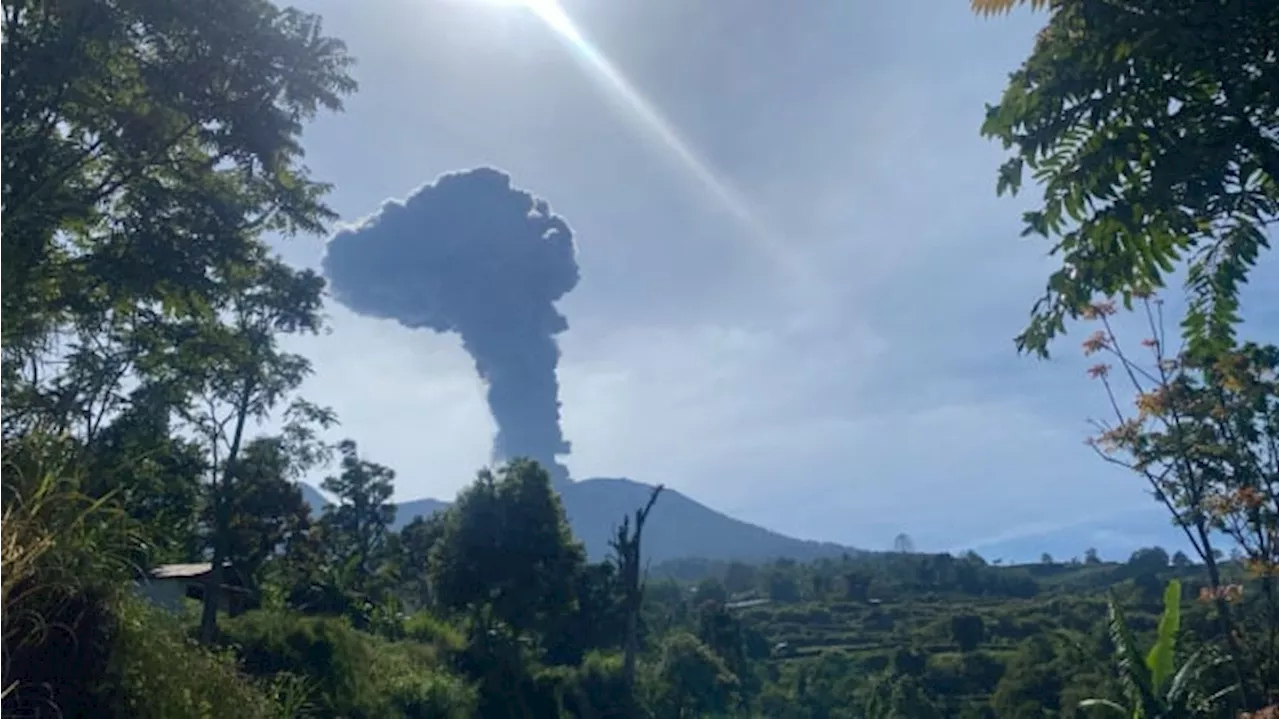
column 1151, row 127
column 147, row 148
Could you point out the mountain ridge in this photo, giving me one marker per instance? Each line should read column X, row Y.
column 678, row 528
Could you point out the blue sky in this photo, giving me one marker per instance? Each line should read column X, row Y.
column 839, row 366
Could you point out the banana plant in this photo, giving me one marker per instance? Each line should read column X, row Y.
column 1154, row 687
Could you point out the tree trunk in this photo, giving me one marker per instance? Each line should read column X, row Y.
column 222, row 523
column 1227, row 625
column 628, row 549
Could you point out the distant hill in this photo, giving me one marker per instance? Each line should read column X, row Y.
column 679, row 527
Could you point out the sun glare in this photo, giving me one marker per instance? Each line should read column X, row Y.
column 650, row 119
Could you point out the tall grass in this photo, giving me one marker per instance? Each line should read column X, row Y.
column 55, row 544
column 76, row 640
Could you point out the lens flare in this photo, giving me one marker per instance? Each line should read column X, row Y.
column 650, row 119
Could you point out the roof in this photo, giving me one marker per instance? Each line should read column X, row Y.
column 181, row 571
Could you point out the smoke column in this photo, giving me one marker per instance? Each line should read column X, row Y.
column 471, row 254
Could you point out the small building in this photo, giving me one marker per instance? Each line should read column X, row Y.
column 169, row 584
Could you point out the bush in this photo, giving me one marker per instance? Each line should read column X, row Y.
column 108, row 653
column 426, row 628
column 157, row 671
column 596, row 688
column 76, row 642
column 354, row 674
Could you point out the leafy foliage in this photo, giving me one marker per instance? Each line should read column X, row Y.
column 356, row 528
column 1151, row 127
column 1000, row 7
column 506, row 544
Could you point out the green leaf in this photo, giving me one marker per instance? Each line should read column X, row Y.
column 1160, row 659
column 1129, row 663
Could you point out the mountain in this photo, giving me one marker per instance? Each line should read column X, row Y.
column 405, row 513
column 313, row 498
column 678, row 527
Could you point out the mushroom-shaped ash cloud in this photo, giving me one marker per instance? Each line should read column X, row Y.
column 473, row 255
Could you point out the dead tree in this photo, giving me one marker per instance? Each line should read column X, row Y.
column 626, row 547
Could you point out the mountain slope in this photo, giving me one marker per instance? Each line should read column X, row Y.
column 678, row 527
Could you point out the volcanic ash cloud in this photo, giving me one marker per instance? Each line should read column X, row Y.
column 473, row 255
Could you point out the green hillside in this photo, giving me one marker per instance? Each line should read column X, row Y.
column 825, row 634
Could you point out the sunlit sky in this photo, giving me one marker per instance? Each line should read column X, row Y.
column 798, row 292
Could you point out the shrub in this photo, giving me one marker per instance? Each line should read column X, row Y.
column 354, row 674
column 426, row 628
column 157, row 671
column 597, row 688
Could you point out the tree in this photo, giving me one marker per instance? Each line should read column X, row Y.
column 1180, row 560
column 711, row 589
column 968, row 631
column 739, row 577
column 909, row 697
column 909, row 661
column 265, row 511
column 725, row 635
column 357, row 526
column 235, row 358
column 1046, row 558
column 903, row 544
column 626, row 549
column 153, row 476
column 1032, row 682
column 1152, row 128
column 1091, row 556
column 1203, row 438
column 412, row 556
column 856, row 586
column 598, row 621
column 1149, row 560
column 695, row 681
column 145, row 149
column 783, row 586
column 507, row 547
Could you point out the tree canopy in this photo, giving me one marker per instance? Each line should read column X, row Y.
column 1151, row 127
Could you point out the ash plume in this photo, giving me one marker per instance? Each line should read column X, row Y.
column 473, row 255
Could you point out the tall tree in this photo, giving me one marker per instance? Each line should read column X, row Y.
column 266, row 510
column 244, row 376
column 626, row 548
column 903, row 544
column 358, row 525
column 507, row 547
column 1152, row 127
column 145, row 147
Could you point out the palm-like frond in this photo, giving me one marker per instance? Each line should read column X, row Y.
column 1160, row 658
column 1131, row 664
